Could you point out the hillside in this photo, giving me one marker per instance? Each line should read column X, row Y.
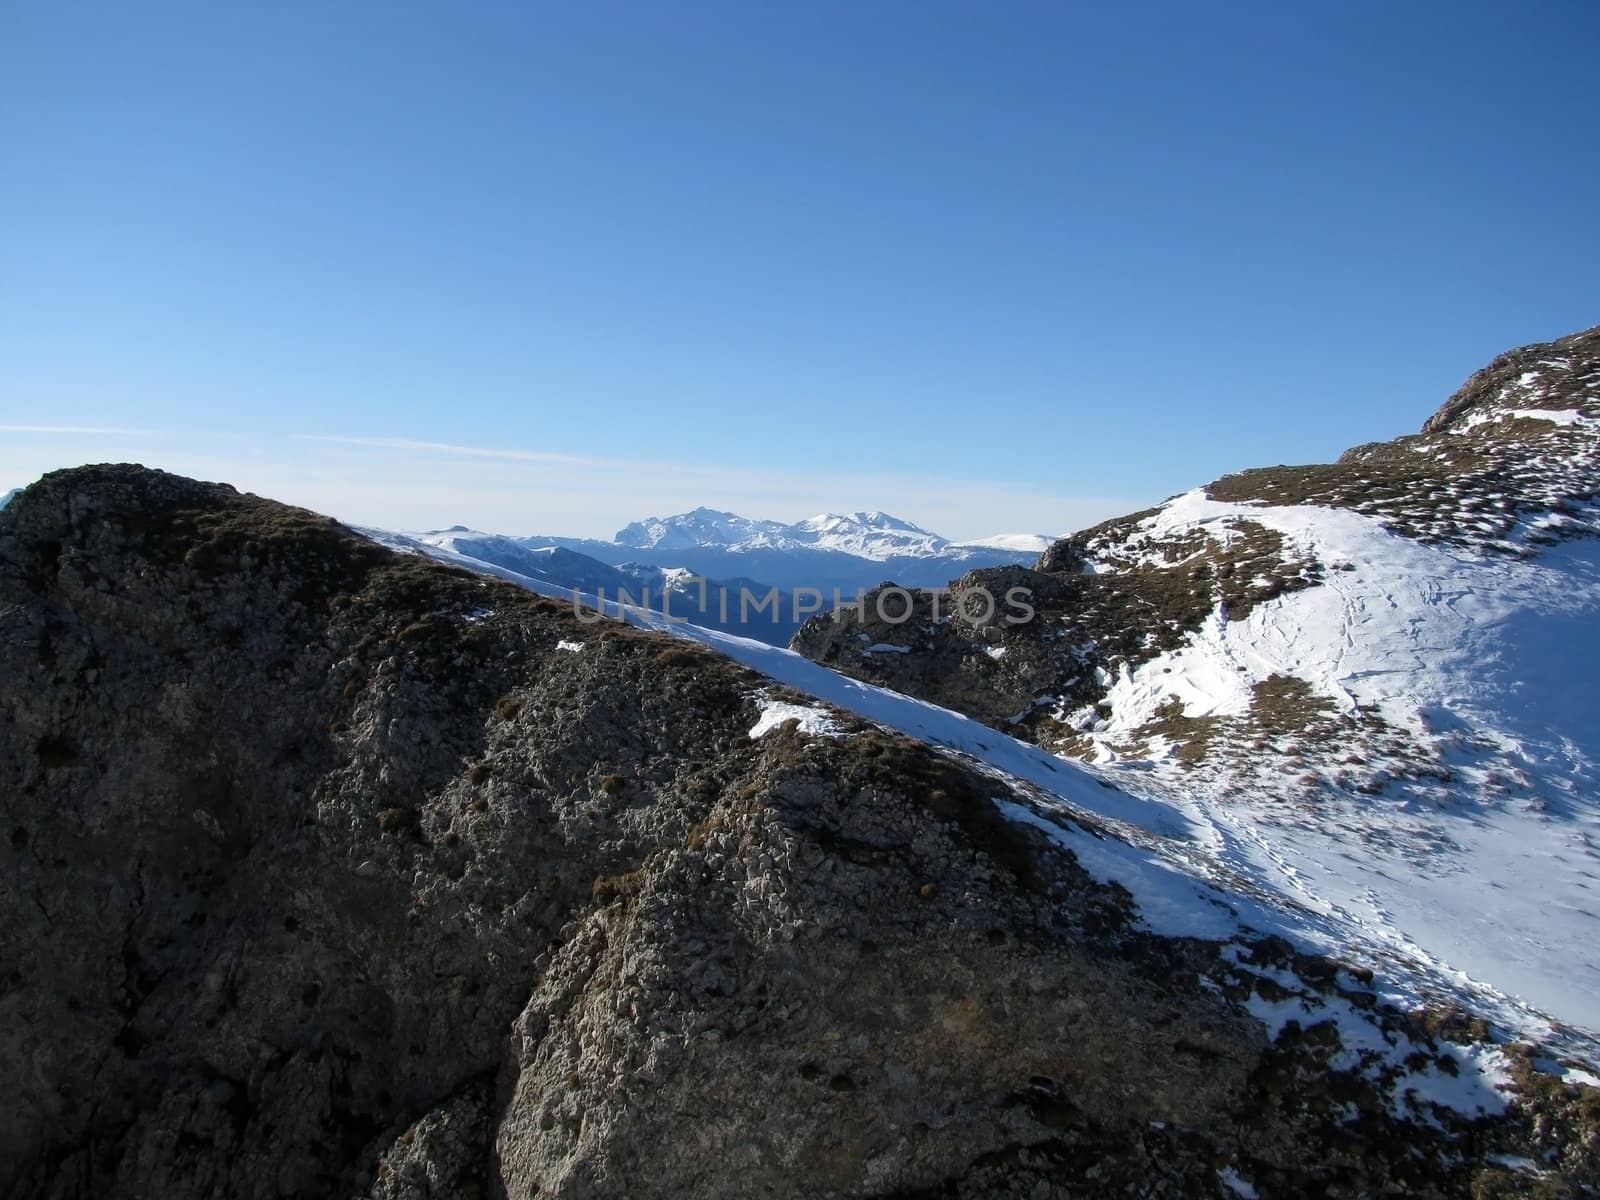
column 1373, row 675
column 332, row 871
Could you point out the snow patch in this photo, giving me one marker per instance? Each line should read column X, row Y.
column 1023, row 543
column 1473, row 1084
column 812, row 720
column 1563, row 418
column 1580, row 1077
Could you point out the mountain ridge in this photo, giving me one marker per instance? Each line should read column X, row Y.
column 360, row 874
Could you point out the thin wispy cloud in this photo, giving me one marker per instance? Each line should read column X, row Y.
column 87, row 430
column 455, row 450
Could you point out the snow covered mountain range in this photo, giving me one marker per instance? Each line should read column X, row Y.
column 670, row 555
column 871, row 535
column 1371, row 679
column 849, row 551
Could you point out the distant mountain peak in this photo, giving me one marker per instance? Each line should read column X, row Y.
column 700, row 527
column 872, row 535
column 875, row 520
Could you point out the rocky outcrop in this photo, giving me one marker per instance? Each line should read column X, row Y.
column 1023, row 668
column 331, row 871
column 1509, row 465
column 1560, row 371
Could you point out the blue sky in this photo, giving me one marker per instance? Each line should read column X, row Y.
column 551, row 268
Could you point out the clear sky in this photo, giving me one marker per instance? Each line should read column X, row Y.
column 989, row 266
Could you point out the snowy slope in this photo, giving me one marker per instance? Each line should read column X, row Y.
column 1407, row 732
column 1456, row 805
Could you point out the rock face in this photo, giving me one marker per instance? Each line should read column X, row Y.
column 333, row 872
